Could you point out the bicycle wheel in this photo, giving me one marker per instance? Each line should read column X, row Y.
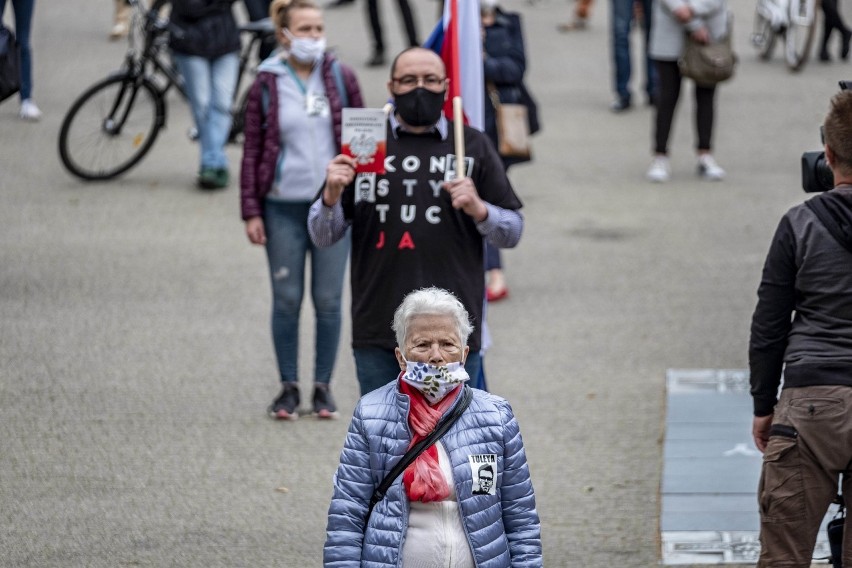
column 110, row 127
column 763, row 36
column 800, row 33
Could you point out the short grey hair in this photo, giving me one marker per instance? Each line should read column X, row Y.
column 433, row 302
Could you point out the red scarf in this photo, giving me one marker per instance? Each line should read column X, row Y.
column 423, row 479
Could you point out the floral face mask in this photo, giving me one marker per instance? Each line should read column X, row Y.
column 434, row 381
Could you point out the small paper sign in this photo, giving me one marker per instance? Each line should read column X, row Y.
column 364, row 138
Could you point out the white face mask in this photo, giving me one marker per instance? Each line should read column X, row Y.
column 305, row 49
column 434, row 381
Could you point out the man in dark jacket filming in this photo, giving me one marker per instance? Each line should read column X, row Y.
column 803, row 324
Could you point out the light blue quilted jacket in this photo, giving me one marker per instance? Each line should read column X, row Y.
column 503, row 529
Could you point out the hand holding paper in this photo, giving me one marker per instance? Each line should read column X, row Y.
column 340, row 172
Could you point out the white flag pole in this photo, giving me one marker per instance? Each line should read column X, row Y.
column 458, row 125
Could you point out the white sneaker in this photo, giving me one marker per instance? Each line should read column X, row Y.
column 709, row 169
column 29, row 110
column 660, row 170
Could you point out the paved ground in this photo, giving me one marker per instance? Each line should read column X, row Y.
column 135, row 359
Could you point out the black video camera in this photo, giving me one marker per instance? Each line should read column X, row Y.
column 816, row 175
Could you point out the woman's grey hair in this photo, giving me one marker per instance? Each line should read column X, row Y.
column 433, row 302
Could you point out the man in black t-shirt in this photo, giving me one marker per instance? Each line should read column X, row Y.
column 416, row 225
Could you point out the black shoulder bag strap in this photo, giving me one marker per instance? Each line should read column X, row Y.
column 420, row 447
column 821, row 209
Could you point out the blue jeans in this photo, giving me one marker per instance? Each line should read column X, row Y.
column 622, row 19
column 210, row 85
column 23, row 23
column 376, row 367
column 287, row 244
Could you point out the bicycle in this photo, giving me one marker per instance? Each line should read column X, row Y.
column 114, row 123
column 795, row 20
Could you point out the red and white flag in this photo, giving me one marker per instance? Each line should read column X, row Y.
column 458, row 40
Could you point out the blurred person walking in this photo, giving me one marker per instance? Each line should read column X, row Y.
column 293, row 128
column 706, row 21
column 624, row 13
column 504, row 61
column 24, row 10
column 205, row 43
column 833, row 20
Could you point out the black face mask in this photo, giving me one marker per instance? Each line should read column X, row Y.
column 420, row 106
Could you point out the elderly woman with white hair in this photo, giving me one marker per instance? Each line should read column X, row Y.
column 444, row 508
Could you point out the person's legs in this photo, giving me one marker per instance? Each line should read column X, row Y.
column 286, row 247
column 210, row 87
column 832, row 20
column 23, row 25
column 492, row 257
column 196, row 79
column 622, row 16
column 704, row 112
column 223, row 80
column 705, row 102
column 375, row 367
column 496, row 281
column 327, row 268
column 378, row 57
column 408, row 21
column 667, row 97
column 650, row 68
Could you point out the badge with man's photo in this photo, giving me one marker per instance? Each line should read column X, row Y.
column 483, row 470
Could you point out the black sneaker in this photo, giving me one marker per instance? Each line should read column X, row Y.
column 324, row 406
column 286, row 406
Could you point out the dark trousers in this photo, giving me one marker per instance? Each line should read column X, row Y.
column 668, row 94
column 376, row 24
column 832, row 21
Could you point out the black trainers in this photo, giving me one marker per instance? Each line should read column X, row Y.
column 286, row 406
column 324, row 406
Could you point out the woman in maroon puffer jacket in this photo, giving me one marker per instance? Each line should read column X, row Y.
column 292, row 131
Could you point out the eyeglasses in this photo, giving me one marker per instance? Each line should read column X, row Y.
column 410, row 82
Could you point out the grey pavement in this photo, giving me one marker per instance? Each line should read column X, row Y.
column 135, row 358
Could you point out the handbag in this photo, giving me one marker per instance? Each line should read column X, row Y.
column 708, row 63
column 10, row 64
column 513, row 127
column 420, row 447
